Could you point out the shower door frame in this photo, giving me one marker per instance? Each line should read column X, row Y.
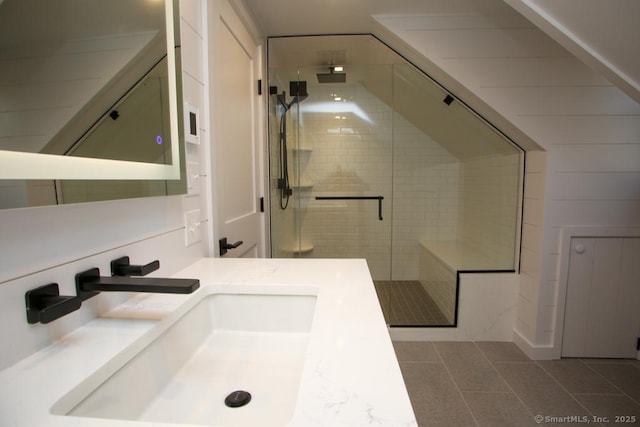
column 521, row 173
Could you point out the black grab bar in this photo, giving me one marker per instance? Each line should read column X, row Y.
column 378, row 198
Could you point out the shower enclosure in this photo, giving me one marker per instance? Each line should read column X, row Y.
column 370, row 158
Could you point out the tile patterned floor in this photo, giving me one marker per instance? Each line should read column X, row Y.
column 407, row 303
column 495, row 384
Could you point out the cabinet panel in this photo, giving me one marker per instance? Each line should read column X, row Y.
column 603, row 293
column 628, row 312
column 578, row 292
column 605, row 280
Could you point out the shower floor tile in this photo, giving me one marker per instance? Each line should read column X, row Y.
column 406, row 303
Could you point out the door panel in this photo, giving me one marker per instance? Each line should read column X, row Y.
column 603, row 293
column 603, row 301
column 628, row 315
column 235, row 64
column 577, row 302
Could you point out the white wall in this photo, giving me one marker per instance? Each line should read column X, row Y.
column 595, row 31
column 589, row 129
column 51, row 244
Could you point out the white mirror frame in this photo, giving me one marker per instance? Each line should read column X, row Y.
column 18, row 165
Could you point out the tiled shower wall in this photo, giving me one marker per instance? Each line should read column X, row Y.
column 489, row 207
column 439, row 280
column 360, row 147
column 356, row 156
column 349, row 154
column 425, row 196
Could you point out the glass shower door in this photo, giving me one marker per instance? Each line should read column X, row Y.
column 384, row 164
column 341, row 167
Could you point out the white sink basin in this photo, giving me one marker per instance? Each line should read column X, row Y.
column 227, row 342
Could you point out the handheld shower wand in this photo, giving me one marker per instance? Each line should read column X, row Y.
column 298, row 90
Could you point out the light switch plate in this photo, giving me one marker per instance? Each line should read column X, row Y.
column 193, row 178
column 192, row 234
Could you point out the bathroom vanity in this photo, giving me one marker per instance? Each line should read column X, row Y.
column 306, row 338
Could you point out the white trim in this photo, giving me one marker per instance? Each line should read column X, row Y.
column 17, row 165
column 534, row 352
column 209, row 156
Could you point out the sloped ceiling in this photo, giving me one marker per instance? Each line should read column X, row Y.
column 612, row 32
column 292, row 17
column 603, row 34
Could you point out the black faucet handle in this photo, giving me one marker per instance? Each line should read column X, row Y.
column 45, row 304
column 122, row 267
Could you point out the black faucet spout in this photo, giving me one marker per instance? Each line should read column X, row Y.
column 89, row 283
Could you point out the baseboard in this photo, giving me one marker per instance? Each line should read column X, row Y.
column 534, row 352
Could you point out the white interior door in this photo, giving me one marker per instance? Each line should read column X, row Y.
column 235, row 69
column 603, row 293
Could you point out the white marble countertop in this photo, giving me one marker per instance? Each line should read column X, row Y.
column 350, row 376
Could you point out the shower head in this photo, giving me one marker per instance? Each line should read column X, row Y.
column 332, row 77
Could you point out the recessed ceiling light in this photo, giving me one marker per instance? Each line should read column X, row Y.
column 337, row 98
column 338, row 68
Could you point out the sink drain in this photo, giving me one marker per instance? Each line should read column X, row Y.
column 237, row 398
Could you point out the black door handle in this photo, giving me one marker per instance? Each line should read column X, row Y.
column 224, row 246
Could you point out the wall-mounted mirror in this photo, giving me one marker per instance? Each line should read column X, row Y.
column 90, row 101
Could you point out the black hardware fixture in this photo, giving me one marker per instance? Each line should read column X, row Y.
column 378, row 198
column 332, row 76
column 299, row 93
column 298, row 89
column 224, row 246
column 122, row 267
column 89, row 284
column 448, row 99
column 237, row 399
column 45, row 304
